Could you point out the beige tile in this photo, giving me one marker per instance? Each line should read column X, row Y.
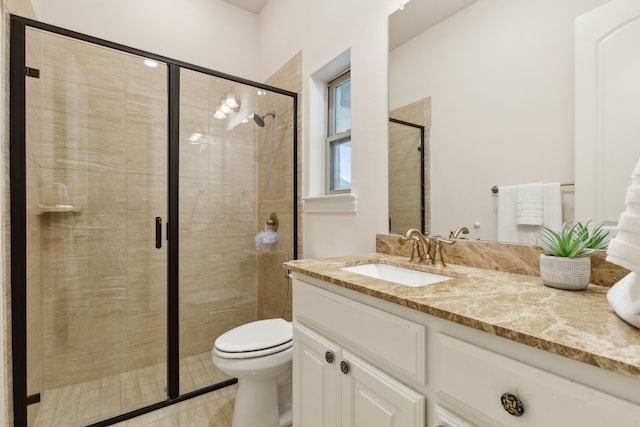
column 131, row 397
column 147, row 153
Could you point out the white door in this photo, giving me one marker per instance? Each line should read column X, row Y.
column 607, row 102
column 316, row 377
column 371, row 398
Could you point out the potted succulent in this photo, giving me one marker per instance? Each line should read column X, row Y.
column 565, row 263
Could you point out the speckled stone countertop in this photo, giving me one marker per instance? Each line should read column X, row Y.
column 579, row 325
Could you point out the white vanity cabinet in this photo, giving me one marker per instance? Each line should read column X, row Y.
column 409, row 369
column 334, row 385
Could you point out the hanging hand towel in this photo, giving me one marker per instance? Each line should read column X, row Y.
column 552, row 203
column 624, row 298
column 507, row 229
column 529, row 206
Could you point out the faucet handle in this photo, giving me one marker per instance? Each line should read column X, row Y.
column 416, row 253
column 438, row 260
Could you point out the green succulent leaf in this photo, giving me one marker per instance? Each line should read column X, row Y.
column 573, row 240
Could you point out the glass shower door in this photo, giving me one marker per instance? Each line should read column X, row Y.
column 96, row 197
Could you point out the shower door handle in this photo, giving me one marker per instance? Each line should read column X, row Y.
column 158, row 232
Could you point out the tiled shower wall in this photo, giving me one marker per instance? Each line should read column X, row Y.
column 275, row 191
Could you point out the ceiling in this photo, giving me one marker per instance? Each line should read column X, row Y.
column 416, row 17
column 253, row 6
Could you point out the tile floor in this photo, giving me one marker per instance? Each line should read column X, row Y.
column 86, row 403
column 209, row 410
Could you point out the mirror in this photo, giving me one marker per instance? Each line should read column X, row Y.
column 499, row 76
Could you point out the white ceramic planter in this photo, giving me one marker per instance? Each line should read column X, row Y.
column 565, row 273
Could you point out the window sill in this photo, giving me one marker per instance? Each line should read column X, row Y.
column 335, row 203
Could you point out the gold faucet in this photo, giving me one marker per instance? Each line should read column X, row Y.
column 421, row 245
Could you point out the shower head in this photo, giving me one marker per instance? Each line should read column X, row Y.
column 260, row 120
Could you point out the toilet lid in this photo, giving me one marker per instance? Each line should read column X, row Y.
column 256, row 336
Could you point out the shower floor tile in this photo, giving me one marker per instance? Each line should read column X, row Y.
column 86, row 403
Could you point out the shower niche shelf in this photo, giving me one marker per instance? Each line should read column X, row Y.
column 46, row 209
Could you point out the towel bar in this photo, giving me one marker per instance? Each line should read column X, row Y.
column 494, row 189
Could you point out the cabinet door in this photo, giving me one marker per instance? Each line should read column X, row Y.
column 316, row 377
column 370, row 398
column 474, row 378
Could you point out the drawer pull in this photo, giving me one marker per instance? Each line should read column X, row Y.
column 344, row 367
column 512, row 404
column 329, row 357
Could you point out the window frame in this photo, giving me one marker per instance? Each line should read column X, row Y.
column 331, row 135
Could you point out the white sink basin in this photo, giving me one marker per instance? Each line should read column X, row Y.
column 402, row 276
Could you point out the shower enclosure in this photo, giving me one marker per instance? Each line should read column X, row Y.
column 138, row 184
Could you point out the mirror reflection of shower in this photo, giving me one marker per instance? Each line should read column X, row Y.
column 260, row 120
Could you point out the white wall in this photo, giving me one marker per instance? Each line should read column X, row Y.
column 209, row 33
column 500, row 76
column 361, row 26
column 328, row 29
column 281, row 34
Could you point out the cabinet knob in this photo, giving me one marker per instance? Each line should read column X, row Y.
column 344, row 367
column 512, row 404
column 329, row 357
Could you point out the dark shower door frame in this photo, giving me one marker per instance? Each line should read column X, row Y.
column 422, row 168
column 18, row 211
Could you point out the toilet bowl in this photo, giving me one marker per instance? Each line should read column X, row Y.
column 260, row 355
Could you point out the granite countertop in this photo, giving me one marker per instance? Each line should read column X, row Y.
column 576, row 324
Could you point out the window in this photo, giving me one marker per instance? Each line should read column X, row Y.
column 339, row 135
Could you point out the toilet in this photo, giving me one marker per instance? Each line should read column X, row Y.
column 259, row 354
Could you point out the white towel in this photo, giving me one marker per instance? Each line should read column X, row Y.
column 633, row 199
column 509, row 231
column 529, row 205
column 636, row 171
column 633, row 194
column 635, row 176
column 631, row 240
column 624, row 248
column 552, row 201
column 507, row 228
column 624, row 298
column 624, row 254
column 630, row 222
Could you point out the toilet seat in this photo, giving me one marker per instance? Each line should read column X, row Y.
column 255, row 339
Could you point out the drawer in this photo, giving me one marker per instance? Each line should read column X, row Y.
column 387, row 339
column 446, row 418
column 474, row 379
